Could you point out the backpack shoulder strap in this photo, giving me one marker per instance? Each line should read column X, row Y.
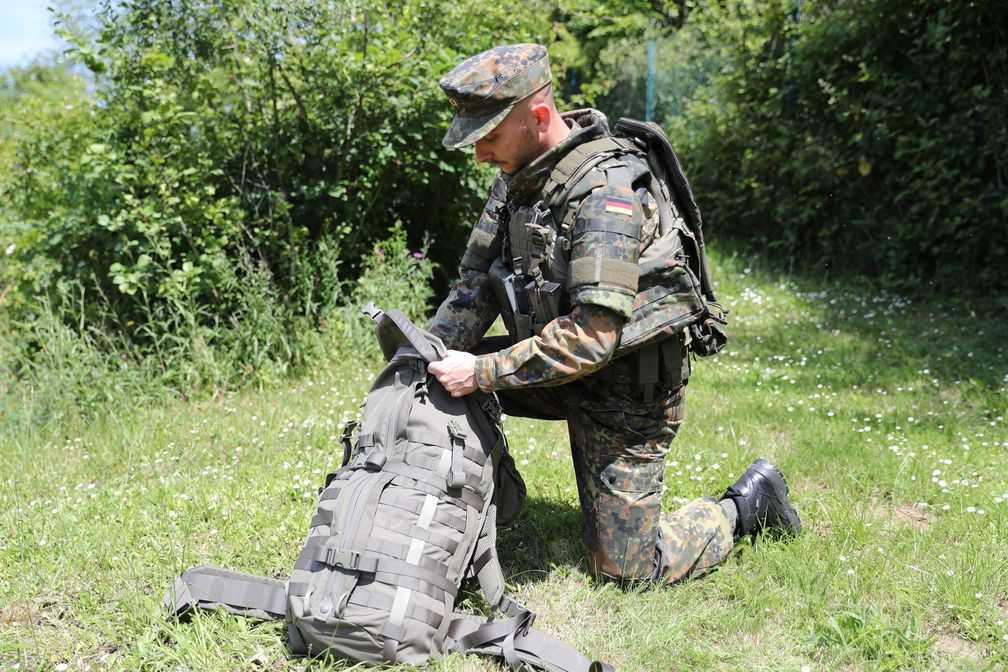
column 515, row 640
column 243, row 594
column 576, row 164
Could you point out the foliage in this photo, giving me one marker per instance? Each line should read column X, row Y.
column 231, row 150
column 65, row 360
column 865, row 136
column 393, row 277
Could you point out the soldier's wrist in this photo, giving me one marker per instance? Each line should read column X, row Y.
column 486, row 372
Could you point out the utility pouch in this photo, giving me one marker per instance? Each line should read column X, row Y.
column 708, row 336
column 544, row 298
column 510, row 291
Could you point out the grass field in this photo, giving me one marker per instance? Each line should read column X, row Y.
column 887, row 416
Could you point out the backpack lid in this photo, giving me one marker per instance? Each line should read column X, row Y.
column 398, row 337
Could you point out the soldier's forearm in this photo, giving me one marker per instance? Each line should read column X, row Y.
column 569, row 347
column 467, row 313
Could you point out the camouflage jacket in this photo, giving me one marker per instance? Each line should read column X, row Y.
column 611, row 227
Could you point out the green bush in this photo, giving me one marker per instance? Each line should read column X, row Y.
column 867, row 137
column 231, row 165
column 64, row 360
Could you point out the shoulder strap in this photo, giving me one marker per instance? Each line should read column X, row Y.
column 661, row 149
column 570, row 169
column 211, row 588
column 515, row 640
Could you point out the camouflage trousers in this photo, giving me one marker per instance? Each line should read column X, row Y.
column 618, row 443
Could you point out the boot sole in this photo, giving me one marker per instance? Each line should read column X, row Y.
column 791, row 523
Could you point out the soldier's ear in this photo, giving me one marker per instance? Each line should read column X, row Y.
column 542, row 115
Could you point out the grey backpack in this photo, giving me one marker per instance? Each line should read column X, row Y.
column 410, row 514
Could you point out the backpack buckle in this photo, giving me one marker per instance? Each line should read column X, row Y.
column 341, row 559
column 456, row 431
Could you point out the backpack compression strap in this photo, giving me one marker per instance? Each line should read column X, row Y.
column 518, row 643
column 243, row 594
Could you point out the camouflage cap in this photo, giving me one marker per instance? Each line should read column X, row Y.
column 484, row 88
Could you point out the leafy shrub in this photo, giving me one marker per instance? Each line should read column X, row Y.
column 231, row 164
column 64, row 360
column 393, row 277
column 865, row 136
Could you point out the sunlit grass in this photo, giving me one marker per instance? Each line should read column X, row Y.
column 886, row 415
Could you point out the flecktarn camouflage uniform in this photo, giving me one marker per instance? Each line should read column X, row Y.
column 619, row 436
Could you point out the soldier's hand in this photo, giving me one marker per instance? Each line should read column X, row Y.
column 457, row 372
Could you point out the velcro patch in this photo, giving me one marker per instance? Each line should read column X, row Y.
column 619, row 206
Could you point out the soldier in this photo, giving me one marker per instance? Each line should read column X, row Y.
column 564, row 281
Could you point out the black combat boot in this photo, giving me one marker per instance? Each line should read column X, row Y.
column 761, row 497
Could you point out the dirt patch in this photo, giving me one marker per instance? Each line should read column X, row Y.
column 949, row 644
column 30, row 612
column 916, row 515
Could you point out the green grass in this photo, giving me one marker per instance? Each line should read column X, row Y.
column 887, row 417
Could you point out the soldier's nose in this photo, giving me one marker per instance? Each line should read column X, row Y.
column 482, row 153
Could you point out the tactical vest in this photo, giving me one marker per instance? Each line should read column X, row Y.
column 674, row 294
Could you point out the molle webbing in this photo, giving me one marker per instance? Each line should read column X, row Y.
column 411, row 513
column 237, row 592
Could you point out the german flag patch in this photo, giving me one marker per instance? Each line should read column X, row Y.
column 619, row 206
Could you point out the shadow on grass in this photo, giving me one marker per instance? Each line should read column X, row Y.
column 869, row 336
column 546, row 535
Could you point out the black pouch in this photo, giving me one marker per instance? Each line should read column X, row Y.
column 708, row 336
column 510, row 490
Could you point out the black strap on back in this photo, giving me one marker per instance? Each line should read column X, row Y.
column 658, row 143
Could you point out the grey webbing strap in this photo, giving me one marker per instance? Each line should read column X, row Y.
column 491, row 630
column 396, row 580
column 530, row 646
column 398, row 551
column 434, row 463
column 472, row 452
column 297, row 588
column 362, row 597
column 464, row 498
column 400, row 568
column 457, row 475
column 442, row 515
column 413, row 335
column 410, row 529
column 338, row 558
column 346, row 439
column 393, row 634
column 423, row 477
column 238, row 592
column 323, row 517
column 330, row 492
